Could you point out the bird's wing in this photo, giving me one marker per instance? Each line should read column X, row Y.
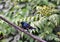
column 26, row 25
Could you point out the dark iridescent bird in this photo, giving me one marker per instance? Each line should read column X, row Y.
column 26, row 26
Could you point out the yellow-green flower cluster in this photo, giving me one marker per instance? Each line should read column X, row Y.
column 44, row 10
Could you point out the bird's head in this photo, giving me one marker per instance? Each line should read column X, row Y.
column 22, row 22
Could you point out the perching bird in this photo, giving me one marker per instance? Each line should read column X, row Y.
column 26, row 26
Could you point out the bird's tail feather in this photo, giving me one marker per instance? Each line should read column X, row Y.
column 30, row 27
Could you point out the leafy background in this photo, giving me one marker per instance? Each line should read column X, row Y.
column 44, row 15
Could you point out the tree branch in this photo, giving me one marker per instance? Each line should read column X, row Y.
column 22, row 30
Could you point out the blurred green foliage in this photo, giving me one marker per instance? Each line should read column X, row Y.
column 44, row 15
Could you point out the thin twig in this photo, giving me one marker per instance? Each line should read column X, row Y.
column 22, row 30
